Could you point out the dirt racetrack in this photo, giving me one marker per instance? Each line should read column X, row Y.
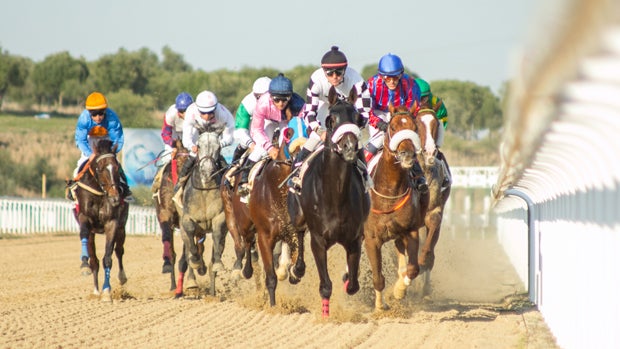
column 45, row 303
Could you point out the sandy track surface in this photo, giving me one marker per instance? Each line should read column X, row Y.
column 476, row 302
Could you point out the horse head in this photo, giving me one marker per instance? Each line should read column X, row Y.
column 401, row 139
column 107, row 170
column 428, row 128
column 343, row 125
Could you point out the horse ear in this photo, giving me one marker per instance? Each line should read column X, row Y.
column 114, row 147
column 353, row 95
column 332, row 96
column 329, row 123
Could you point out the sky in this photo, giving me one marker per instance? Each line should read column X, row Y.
column 468, row 40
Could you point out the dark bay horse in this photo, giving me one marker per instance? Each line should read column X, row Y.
column 333, row 203
column 101, row 210
column 436, row 170
column 167, row 215
column 265, row 219
column 396, row 212
column 203, row 211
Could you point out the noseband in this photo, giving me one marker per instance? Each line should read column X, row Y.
column 401, row 135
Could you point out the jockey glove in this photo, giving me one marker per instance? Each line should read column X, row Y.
column 382, row 125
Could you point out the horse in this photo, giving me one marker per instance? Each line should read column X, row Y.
column 333, row 202
column 101, row 210
column 166, row 211
column 202, row 211
column 265, row 219
column 437, row 174
column 396, row 211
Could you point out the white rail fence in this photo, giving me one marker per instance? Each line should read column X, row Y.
column 28, row 216
column 558, row 189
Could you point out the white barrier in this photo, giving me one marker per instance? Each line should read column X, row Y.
column 560, row 154
column 28, row 216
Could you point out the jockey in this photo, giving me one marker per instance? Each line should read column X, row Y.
column 243, row 116
column 334, row 72
column 273, row 110
column 172, row 130
column 98, row 122
column 391, row 85
column 204, row 111
column 441, row 113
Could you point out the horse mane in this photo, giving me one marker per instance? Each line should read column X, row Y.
column 212, row 127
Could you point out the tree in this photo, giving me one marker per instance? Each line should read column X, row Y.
column 173, row 62
column 126, row 70
column 13, row 72
column 56, row 76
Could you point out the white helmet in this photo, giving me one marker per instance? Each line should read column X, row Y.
column 261, row 85
column 206, row 101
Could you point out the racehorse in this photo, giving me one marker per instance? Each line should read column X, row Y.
column 265, row 218
column 437, row 174
column 167, row 215
column 203, row 211
column 396, row 212
column 101, row 210
column 333, row 202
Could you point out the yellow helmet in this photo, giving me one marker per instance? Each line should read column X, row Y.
column 95, row 101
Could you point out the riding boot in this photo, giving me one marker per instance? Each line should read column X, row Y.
column 362, row 167
column 125, row 186
column 243, row 181
column 447, row 176
column 185, row 171
column 294, row 182
column 419, row 179
column 369, row 152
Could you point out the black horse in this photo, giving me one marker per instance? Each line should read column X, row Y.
column 101, row 210
column 333, row 203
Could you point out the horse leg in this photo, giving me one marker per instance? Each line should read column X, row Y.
column 373, row 250
column 107, row 261
column 298, row 269
column 119, row 250
column 266, row 244
column 182, row 269
column 200, row 245
column 354, row 251
column 319, row 250
column 166, row 240
column 248, row 269
column 191, row 279
column 432, row 221
column 283, row 258
column 219, row 242
column 93, row 262
column 173, row 258
column 84, row 239
column 188, row 233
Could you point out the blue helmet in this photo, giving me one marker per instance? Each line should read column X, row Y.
column 281, row 85
column 390, row 65
column 183, row 101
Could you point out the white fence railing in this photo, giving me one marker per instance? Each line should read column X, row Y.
column 558, row 191
column 28, row 216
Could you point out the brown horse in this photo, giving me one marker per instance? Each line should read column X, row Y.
column 266, row 219
column 437, row 174
column 167, row 215
column 101, row 210
column 396, row 212
column 333, row 203
column 203, row 211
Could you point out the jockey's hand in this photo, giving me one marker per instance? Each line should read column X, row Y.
column 323, row 136
column 251, row 146
column 91, row 157
column 195, row 149
column 382, row 125
column 273, row 152
column 314, row 126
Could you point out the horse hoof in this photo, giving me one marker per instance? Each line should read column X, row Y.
column 217, row 267
column 400, row 290
column 167, row 267
column 235, row 275
column 106, row 296
column 178, row 295
column 281, row 273
column 195, row 262
column 86, row 271
column 122, row 278
column 202, row 270
column 191, row 283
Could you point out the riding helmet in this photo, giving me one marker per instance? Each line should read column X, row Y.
column 334, row 59
column 390, row 65
column 95, row 101
column 183, row 101
column 261, row 85
column 281, row 85
column 206, row 101
column 425, row 88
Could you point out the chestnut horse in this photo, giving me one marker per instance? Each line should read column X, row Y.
column 437, row 175
column 101, row 210
column 265, row 218
column 396, row 212
column 203, row 211
column 167, row 215
column 333, row 203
